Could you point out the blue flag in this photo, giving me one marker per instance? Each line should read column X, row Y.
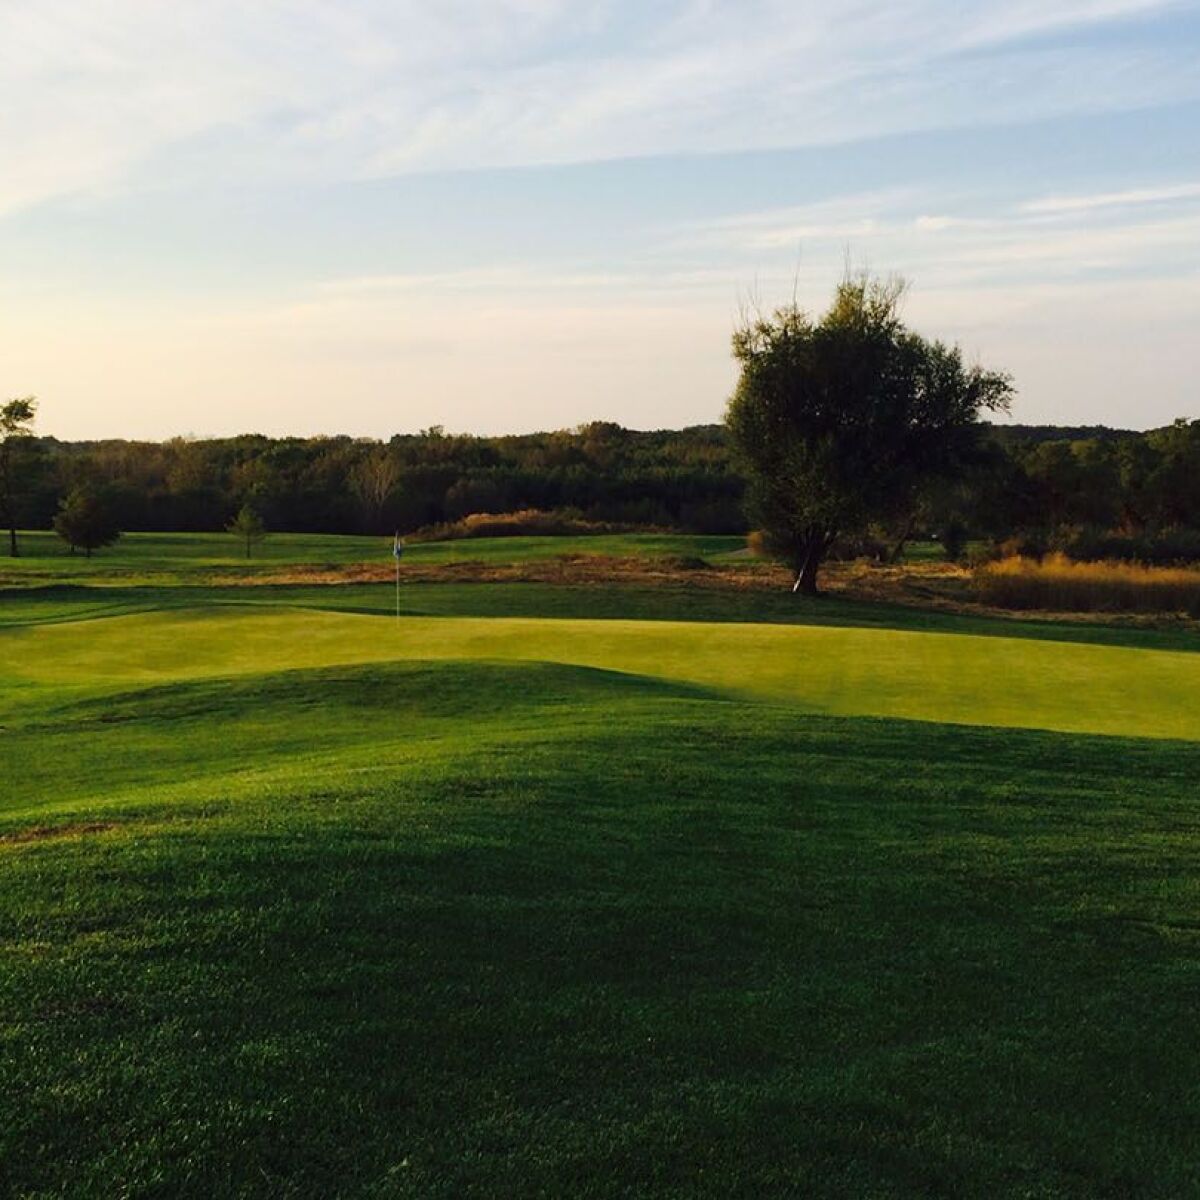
column 397, row 546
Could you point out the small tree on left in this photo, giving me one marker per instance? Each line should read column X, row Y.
column 248, row 527
column 85, row 521
column 16, row 429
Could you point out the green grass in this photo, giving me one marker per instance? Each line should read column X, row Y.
column 502, row 901
column 611, row 601
column 156, row 572
column 844, row 671
column 165, row 558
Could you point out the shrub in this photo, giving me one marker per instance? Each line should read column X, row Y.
column 1022, row 545
column 850, row 549
column 527, row 522
column 1171, row 547
column 1058, row 583
column 713, row 516
column 85, row 520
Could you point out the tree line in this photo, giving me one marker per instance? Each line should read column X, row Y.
column 1093, row 492
column 682, row 479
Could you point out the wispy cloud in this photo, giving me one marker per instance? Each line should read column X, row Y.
column 839, row 219
column 1151, row 230
column 1126, row 199
column 528, row 281
column 102, row 96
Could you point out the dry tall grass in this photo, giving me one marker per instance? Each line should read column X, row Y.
column 1056, row 583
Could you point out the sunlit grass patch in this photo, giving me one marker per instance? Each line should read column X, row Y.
column 1009, row 681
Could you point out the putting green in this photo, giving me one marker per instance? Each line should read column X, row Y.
column 1014, row 682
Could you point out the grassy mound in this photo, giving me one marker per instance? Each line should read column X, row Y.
column 846, row 671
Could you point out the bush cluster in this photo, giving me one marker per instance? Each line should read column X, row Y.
column 1080, row 544
column 1170, row 547
column 527, row 522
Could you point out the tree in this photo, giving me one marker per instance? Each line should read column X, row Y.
column 248, row 527
column 85, row 520
column 374, row 479
column 841, row 421
column 16, row 427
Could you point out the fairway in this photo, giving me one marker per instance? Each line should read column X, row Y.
column 502, row 899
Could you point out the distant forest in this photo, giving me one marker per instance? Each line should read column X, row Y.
column 1037, row 482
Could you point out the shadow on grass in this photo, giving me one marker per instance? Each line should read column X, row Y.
column 728, row 951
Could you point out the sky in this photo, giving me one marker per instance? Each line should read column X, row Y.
column 368, row 217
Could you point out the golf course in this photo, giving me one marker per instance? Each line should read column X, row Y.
column 544, row 890
column 600, row 601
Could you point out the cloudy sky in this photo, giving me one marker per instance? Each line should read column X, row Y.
column 498, row 215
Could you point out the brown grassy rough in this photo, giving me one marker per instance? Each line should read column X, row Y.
column 1059, row 584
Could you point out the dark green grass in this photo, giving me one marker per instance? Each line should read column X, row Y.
column 180, row 558
column 479, row 930
column 68, row 602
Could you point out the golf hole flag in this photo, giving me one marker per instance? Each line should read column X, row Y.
column 397, row 553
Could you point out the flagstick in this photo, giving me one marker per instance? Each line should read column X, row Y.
column 396, row 557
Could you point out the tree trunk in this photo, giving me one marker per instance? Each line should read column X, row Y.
column 13, row 549
column 810, row 564
column 806, row 578
column 6, row 477
column 897, row 549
